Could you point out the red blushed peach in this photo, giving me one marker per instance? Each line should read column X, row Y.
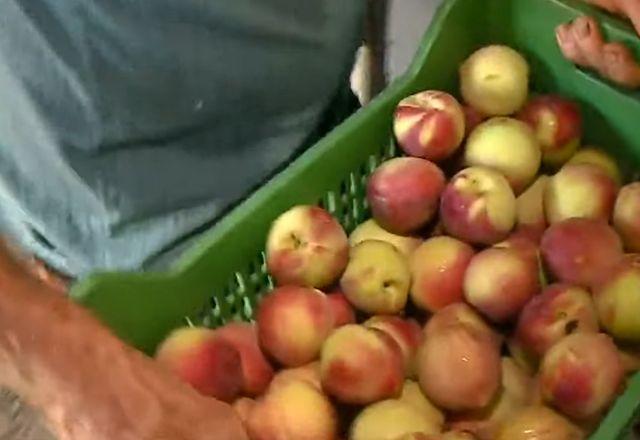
column 617, row 301
column 460, row 314
column 508, row 146
column 516, row 393
column 524, row 245
column 626, row 216
column 478, row 206
column 561, row 309
column 295, row 410
column 499, row 282
column 539, row 423
column 407, row 334
column 306, row 246
column 459, row 368
column 403, row 193
column 557, row 122
column 370, row 230
column 429, row 124
column 581, row 374
column 472, row 118
column 580, row 250
column 437, row 270
column 597, row 157
column 343, row 313
column 579, row 190
column 530, row 217
column 256, row 369
column 207, row 362
column 293, row 323
column 361, row 366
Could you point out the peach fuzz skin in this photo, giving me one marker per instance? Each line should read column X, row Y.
column 306, row 246
column 403, row 193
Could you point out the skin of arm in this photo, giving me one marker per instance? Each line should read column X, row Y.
column 89, row 384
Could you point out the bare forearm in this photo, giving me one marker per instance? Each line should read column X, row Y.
column 89, row 384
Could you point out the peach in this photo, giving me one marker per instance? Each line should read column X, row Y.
column 201, row 358
column 557, row 123
column 495, row 80
column 499, row 282
column 581, row 374
column 459, row 368
column 407, row 334
column 579, row 190
column 626, row 216
column 449, row 435
column 429, row 124
column 343, row 313
column 460, row 313
column 617, row 301
column 437, row 270
column 597, row 157
column 580, row 250
column 388, row 420
column 524, row 245
column 309, row 374
column 403, row 193
column 370, row 230
column 256, row 370
column 413, row 395
column 539, row 423
column 377, row 278
column 530, row 217
column 361, row 366
column 293, row 323
column 296, row 410
column 478, row 206
column 306, row 246
column 561, row 309
column 243, row 406
column 472, row 118
column 508, row 146
column 516, row 393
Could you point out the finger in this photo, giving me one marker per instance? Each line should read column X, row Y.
column 621, row 66
column 567, row 44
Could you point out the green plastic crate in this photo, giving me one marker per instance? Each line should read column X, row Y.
column 224, row 275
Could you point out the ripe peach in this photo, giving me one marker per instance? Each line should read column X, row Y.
column 472, row 118
column 437, row 270
column 580, row 250
column 557, row 122
column 429, row 124
column 525, row 246
column 293, row 323
column 403, row 193
column 295, row 410
column 377, row 278
column 460, row 313
column 306, row 246
column 516, row 393
column 579, row 190
column 370, row 230
column 201, row 358
column 495, row 80
column 413, row 395
column 561, row 309
column 626, row 216
column 617, row 300
column 343, row 313
column 581, row 374
column 530, row 216
column 407, row 334
column 256, row 370
column 539, row 423
column 508, row 146
column 361, row 366
column 449, row 435
column 309, row 374
column 499, row 282
column 389, row 420
column 459, row 368
column 478, row 206
column 597, row 157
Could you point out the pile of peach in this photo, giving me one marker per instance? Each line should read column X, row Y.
column 498, row 303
